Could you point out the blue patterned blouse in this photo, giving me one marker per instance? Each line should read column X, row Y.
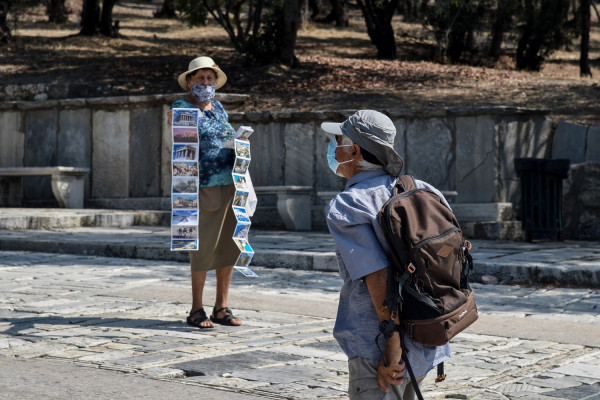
column 214, row 162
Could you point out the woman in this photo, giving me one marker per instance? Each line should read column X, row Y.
column 216, row 220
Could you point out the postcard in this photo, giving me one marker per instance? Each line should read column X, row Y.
column 183, row 201
column 240, row 182
column 241, row 165
column 185, row 168
column 243, row 132
column 243, row 245
column 247, row 271
column 241, row 231
column 184, row 232
column 185, row 134
column 184, row 245
column 185, row 185
column 185, row 117
column 244, row 259
column 242, row 149
column 186, row 152
column 184, row 217
column 240, row 198
column 241, row 214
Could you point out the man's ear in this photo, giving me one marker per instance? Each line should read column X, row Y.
column 356, row 150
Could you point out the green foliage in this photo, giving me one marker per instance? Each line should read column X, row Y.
column 543, row 29
column 255, row 28
column 541, row 25
column 192, row 11
column 264, row 47
column 454, row 23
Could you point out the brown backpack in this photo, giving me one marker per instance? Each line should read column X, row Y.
column 429, row 265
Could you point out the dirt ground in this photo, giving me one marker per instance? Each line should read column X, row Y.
column 337, row 69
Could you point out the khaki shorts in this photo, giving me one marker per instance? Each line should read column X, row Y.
column 363, row 383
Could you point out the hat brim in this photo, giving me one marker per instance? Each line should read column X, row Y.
column 221, row 78
column 335, row 128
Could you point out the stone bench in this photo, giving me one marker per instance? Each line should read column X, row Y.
column 67, row 184
column 293, row 205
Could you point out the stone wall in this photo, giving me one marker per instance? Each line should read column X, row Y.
column 125, row 141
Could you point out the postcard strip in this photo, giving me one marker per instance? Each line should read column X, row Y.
column 184, row 187
column 240, row 199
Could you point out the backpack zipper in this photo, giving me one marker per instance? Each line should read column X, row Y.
column 424, row 242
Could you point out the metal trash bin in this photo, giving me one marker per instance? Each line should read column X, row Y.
column 541, row 196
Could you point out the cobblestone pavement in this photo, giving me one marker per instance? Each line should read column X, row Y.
column 567, row 263
column 127, row 315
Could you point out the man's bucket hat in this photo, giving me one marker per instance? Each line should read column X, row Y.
column 201, row 63
column 374, row 132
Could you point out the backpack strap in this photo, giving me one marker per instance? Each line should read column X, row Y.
column 411, row 374
column 404, row 183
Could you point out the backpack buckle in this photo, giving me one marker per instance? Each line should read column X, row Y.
column 411, row 268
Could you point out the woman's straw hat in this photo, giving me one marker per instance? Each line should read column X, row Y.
column 201, row 63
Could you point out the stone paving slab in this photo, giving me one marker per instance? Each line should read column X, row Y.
column 562, row 263
column 283, row 350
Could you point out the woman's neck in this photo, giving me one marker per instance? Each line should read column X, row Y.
column 201, row 105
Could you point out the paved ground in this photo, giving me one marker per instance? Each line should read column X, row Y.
column 85, row 326
column 563, row 263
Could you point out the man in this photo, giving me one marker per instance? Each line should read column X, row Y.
column 362, row 151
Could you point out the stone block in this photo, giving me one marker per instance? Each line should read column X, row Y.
column 268, row 154
column 40, row 151
column 166, row 152
column 12, row 139
column 75, row 141
column 569, row 142
column 579, row 369
column 476, row 160
column 110, row 154
column 592, row 147
column 145, row 149
column 473, row 212
column 400, row 141
column 581, row 202
column 299, row 154
column 429, row 155
column 519, row 138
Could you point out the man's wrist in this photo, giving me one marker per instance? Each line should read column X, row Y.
column 388, row 328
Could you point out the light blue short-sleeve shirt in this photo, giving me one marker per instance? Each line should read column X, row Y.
column 361, row 250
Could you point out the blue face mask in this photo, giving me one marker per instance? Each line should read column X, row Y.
column 331, row 161
column 203, row 93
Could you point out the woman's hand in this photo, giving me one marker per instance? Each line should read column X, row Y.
column 391, row 367
column 169, row 117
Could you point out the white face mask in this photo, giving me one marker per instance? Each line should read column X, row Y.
column 331, row 160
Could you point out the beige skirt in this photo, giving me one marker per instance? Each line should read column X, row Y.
column 216, row 224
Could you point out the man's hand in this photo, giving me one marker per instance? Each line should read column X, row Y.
column 391, row 367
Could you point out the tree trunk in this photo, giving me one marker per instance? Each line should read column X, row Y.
column 410, row 10
column 378, row 18
column 106, row 23
column 90, row 17
column 584, row 62
column 338, row 13
column 167, row 10
column 56, row 11
column 499, row 26
column 291, row 22
column 5, row 34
